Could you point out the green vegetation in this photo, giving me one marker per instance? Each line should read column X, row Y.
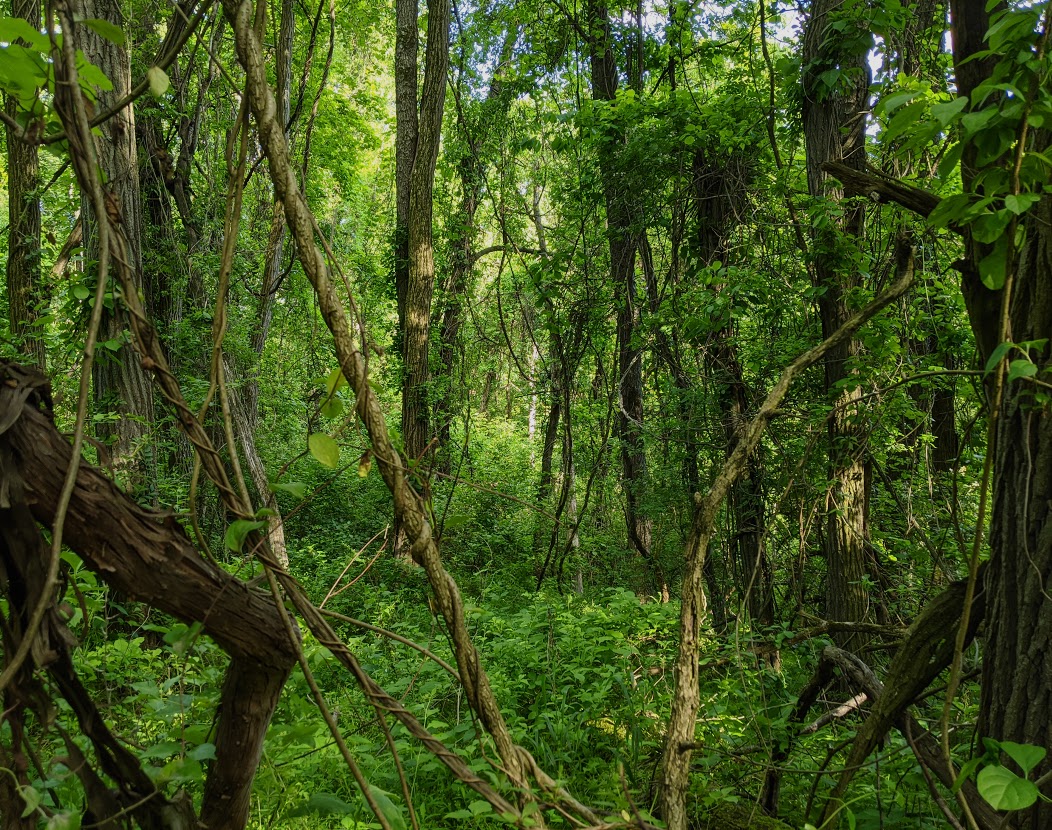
column 526, row 414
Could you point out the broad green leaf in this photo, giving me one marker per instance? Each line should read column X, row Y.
column 946, row 112
column 995, row 358
column 1004, row 790
column 334, row 381
column 203, row 752
column 181, row 636
column 294, row 488
column 90, row 75
column 479, row 808
column 1021, row 369
column 992, row 266
column 1027, row 756
column 975, row 121
column 989, row 226
column 893, row 102
column 238, row 530
column 15, row 28
column 81, row 292
column 332, row 408
column 1022, row 202
column 324, row 449
column 159, row 82
column 32, row 799
column 392, row 812
column 105, row 29
column 949, row 210
column 455, row 521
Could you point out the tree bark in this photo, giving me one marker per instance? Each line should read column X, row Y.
column 623, row 248
column 1016, row 703
column 834, row 130
column 24, row 286
column 147, row 557
column 422, row 133
column 121, row 386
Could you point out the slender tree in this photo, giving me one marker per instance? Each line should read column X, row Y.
column 417, row 143
column 120, row 384
column 24, row 287
column 623, row 243
column 834, row 130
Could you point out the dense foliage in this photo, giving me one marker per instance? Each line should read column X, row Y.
column 708, row 346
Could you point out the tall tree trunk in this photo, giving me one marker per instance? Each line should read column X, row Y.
column 834, row 130
column 417, row 146
column 120, row 384
column 623, row 248
column 1016, row 702
column 24, row 286
column 245, row 401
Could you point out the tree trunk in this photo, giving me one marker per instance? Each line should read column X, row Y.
column 417, row 285
column 1016, row 702
column 623, row 247
column 120, row 384
column 24, row 287
column 834, row 130
column 245, row 401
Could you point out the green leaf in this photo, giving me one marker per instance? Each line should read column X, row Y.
column 975, row 121
column 90, row 75
column 946, row 112
column 238, row 530
column 391, row 811
column 992, row 266
column 893, row 102
column 455, row 521
column 1021, row 369
column 294, row 488
column 995, row 358
column 321, row 804
column 949, row 210
column 64, row 821
column 966, row 772
column 479, row 808
column 334, row 381
column 1021, row 203
column 203, row 752
column 325, row 450
column 105, row 29
column 332, row 408
column 988, row 227
column 32, row 799
column 15, row 28
column 159, row 82
column 1004, row 790
column 1027, row 756
column 81, row 292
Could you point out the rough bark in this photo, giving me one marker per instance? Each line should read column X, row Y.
column 24, row 286
column 719, row 190
column 146, row 556
column 416, row 287
column 1016, row 702
column 121, row 386
column 834, row 130
column 623, row 242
